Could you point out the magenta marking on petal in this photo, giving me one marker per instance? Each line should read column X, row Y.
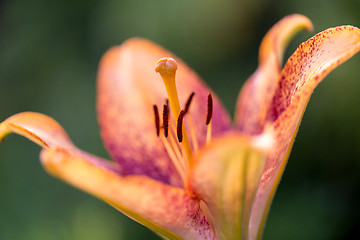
column 125, row 100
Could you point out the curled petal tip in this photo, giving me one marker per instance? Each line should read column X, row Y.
column 37, row 127
column 304, row 22
column 278, row 37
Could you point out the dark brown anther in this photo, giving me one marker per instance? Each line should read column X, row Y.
column 157, row 120
column 209, row 109
column 166, row 119
column 188, row 102
column 179, row 125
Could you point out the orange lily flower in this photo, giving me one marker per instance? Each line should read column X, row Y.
column 192, row 175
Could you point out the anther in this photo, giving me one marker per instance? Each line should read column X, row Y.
column 179, row 125
column 188, row 102
column 166, row 119
column 209, row 109
column 157, row 120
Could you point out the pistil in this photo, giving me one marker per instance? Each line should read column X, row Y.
column 167, row 68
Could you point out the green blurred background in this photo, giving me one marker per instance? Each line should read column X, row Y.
column 49, row 51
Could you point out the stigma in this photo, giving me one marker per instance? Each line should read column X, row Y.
column 173, row 130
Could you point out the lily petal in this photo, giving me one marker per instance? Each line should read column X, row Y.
column 46, row 132
column 257, row 93
column 304, row 70
column 167, row 210
column 38, row 127
column 225, row 176
column 128, row 87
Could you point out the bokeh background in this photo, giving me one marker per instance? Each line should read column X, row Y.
column 49, row 51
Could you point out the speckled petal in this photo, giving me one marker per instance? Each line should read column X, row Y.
column 304, row 70
column 256, row 95
column 128, row 87
column 167, row 210
column 225, row 176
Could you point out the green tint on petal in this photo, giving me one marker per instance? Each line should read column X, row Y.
column 225, row 176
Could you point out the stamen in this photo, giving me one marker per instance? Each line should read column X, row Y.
column 180, row 125
column 175, row 145
column 174, row 157
column 188, row 102
column 166, row 119
column 208, row 118
column 157, row 120
column 191, row 125
column 208, row 133
column 209, row 109
column 172, row 133
column 192, row 132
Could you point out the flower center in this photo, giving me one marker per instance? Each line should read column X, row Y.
column 180, row 151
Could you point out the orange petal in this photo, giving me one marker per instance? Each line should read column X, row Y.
column 167, row 210
column 257, row 93
column 128, row 87
column 304, row 70
column 46, row 132
column 225, row 176
column 38, row 127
